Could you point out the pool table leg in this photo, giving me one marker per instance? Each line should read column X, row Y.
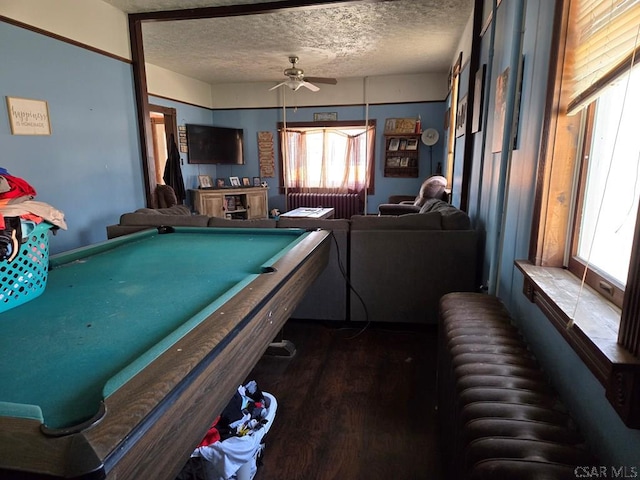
column 281, row 347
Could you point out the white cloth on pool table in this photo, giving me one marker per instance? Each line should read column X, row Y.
column 225, row 458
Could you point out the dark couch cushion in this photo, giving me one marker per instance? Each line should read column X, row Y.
column 238, row 223
column 341, row 224
column 397, row 209
column 176, row 216
column 411, row 221
column 174, row 210
column 452, row 218
column 165, row 196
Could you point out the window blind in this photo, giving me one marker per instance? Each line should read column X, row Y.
column 606, row 35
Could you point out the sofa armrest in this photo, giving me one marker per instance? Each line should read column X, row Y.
column 397, row 209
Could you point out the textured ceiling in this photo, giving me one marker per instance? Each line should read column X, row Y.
column 341, row 41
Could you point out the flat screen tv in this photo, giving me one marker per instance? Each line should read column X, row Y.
column 209, row 144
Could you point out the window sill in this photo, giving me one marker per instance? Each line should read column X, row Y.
column 593, row 334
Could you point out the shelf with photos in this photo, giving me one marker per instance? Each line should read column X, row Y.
column 401, row 155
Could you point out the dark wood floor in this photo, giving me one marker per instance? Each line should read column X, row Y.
column 352, row 407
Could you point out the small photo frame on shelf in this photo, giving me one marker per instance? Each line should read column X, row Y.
column 393, row 162
column 246, row 182
column 205, row 181
column 220, row 183
column 394, row 144
column 257, row 182
column 403, row 144
column 412, row 143
column 404, row 162
column 234, row 181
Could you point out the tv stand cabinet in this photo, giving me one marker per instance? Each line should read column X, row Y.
column 239, row 203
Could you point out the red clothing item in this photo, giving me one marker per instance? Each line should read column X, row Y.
column 212, row 435
column 19, row 188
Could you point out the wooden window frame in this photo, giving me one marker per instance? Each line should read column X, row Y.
column 606, row 337
column 604, row 284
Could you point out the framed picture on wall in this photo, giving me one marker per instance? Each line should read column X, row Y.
column 478, row 99
column 461, row 117
column 499, row 110
column 28, row 116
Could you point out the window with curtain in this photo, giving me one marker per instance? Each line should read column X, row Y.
column 335, row 157
column 586, row 204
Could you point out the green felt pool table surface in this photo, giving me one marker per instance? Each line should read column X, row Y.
column 110, row 310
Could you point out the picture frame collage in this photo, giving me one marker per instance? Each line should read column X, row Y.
column 206, row 182
column 395, row 162
column 399, row 144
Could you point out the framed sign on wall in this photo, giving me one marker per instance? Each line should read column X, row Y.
column 28, row 117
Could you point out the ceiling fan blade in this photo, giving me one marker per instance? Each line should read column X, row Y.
column 329, row 81
column 279, row 85
column 310, row 86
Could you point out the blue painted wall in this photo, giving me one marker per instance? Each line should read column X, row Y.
column 90, row 166
column 583, row 394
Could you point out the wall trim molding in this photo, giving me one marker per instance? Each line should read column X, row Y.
column 60, row 38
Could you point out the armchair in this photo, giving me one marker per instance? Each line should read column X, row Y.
column 433, row 187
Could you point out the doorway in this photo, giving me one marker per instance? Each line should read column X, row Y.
column 163, row 125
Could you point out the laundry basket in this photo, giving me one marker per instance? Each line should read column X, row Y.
column 235, row 458
column 25, row 277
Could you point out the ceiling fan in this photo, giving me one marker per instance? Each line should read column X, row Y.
column 297, row 78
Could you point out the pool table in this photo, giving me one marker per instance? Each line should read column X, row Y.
column 136, row 344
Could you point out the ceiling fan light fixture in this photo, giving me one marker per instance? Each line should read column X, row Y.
column 294, row 84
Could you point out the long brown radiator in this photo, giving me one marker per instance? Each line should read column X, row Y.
column 345, row 204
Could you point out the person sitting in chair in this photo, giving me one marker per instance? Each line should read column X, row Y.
column 433, row 187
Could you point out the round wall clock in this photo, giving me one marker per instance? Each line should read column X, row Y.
column 430, row 137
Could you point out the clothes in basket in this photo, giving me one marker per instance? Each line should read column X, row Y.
column 235, row 457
